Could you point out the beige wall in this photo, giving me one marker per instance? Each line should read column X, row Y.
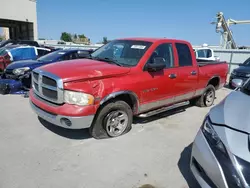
column 20, row 10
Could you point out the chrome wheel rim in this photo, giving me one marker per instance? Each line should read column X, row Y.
column 209, row 99
column 117, row 122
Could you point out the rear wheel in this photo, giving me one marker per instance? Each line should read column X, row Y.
column 207, row 98
column 113, row 120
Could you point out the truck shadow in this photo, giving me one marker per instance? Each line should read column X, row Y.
column 183, row 165
column 67, row 133
column 140, row 120
column 227, row 87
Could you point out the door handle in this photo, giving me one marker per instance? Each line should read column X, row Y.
column 193, row 73
column 172, row 76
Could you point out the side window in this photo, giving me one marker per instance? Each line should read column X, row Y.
column 201, row 53
column 40, row 52
column 165, row 51
column 185, row 58
column 66, row 57
column 74, row 55
column 208, row 53
column 69, row 56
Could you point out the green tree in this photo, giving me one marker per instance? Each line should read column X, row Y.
column 66, row 37
column 105, row 40
column 82, row 36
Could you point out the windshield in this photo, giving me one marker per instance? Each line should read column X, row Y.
column 247, row 62
column 52, row 56
column 125, row 52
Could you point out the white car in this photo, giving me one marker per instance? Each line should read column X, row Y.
column 205, row 53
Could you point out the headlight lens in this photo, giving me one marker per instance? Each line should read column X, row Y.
column 20, row 71
column 212, row 136
column 247, row 75
column 78, row 98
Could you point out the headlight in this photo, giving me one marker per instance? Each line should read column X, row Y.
column 78, row 98
column 20, row 71
column 247, row 75
column 212, row 136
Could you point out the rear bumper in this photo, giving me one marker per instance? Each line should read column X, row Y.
column 63, row 121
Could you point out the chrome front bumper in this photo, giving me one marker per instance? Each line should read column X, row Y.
column 68, row 122
column 204, row 156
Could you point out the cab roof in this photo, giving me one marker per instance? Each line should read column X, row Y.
column 153, row 40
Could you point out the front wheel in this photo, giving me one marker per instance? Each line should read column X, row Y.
column 207, row 98
column 113, row 120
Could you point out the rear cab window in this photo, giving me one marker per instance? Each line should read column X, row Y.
column 184, row 55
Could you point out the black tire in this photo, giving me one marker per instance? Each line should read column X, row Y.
column 202, row 100
column 98, row 128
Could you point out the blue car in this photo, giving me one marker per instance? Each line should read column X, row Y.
column 21, row 70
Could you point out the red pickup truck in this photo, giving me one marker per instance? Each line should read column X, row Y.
column 124, row 78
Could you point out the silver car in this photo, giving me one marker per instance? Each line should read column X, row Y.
column 221, row 150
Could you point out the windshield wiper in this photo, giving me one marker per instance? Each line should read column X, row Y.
column 106, row 59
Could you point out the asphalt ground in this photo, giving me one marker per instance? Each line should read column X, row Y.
column 156, row 152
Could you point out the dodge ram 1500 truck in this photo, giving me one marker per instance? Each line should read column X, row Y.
column 124, row 78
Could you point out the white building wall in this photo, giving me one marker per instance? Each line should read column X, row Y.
column 20, row 10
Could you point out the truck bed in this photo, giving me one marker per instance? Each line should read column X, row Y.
column 202, row 62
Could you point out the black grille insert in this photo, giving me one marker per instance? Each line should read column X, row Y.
column 49, row 93
column 49, row 81
column 36, row 86
column 35, row 75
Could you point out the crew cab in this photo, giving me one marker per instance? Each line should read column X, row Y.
column 122, row 79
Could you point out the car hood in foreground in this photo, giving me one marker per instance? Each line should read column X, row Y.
column 233, row 111
column 84, row 69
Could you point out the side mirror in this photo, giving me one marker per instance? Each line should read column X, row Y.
column 157, row 64
column 237, row 83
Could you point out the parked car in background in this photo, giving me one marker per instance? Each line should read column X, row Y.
column 205, row 53
column 220, row 152
column 13, row 53
column 18, row 42
column 242, row 72
column 20, row 70
column 126, row 77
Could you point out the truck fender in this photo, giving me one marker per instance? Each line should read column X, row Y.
column 132, row 95
column 214, row 84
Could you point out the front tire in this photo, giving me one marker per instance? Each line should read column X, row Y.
column 113, row 119
column 207, row 98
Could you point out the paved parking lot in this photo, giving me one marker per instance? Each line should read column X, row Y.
column 156, row 151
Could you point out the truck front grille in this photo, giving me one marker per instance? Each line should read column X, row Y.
column 47, row 86
column 49, row 81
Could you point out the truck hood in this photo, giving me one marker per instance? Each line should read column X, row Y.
column 84, row 69
column 233, row 111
